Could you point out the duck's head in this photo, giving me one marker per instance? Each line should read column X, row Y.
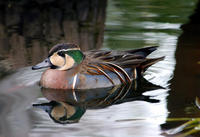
column 62, row 57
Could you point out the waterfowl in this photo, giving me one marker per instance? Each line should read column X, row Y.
column 70, row 68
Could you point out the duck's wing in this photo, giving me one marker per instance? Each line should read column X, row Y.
column 99, row 62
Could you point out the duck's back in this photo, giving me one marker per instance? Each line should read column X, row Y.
column 109, row 68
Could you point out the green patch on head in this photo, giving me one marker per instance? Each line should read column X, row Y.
column 77, row 55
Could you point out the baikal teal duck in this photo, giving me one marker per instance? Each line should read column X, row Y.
column 70, row 68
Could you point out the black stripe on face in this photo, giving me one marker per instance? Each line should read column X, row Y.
column 61, row 53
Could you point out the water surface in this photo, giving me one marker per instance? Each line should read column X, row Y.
column 129, row 24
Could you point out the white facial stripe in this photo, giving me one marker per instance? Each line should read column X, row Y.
column 68, row 49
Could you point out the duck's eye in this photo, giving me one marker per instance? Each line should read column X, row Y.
column 61, row 53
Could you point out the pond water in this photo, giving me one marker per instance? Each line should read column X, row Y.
column 137, row 110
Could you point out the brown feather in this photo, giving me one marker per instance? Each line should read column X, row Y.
column 120, row 69
column 110, row 68
column 142, row 51
column 150, row 62
column 101, row 53
column 102, row 72
column 97, row 61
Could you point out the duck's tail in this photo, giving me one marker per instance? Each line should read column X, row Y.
column 143, row 51
column 145, row 65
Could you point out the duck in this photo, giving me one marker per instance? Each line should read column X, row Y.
column 70, row 68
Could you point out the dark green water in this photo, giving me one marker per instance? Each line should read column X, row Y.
column 140, row 112
column 144, row 23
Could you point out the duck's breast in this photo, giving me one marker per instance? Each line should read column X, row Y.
column 56, row 79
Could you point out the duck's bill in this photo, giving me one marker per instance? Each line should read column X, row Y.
column 45, row 106
column 44, row 64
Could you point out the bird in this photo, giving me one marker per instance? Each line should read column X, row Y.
column 70, row 68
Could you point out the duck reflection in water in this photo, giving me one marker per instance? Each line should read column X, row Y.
column 68, row 106
column 62, row 112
